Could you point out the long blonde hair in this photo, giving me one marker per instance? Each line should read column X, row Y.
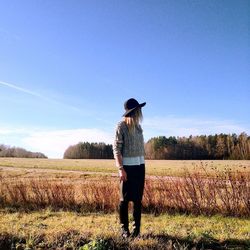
column 133, row 119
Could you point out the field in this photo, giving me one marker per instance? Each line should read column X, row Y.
column 158, row 232
column 154, row 167
column 68, row 204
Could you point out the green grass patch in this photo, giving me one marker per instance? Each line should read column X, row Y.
column 58, row 229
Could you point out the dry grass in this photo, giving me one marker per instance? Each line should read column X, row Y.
column 226, row 193
column 204, row 188
column 153, row 167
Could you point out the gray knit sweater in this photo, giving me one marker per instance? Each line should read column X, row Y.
column 128, row 144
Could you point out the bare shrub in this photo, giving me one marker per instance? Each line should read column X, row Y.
column 227, row 193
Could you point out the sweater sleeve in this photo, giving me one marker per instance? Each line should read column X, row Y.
column 118, row 141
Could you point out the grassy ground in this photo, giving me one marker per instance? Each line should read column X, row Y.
column 153, row 167
column 59, row 228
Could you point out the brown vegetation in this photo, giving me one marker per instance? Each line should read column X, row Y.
column 226, row 193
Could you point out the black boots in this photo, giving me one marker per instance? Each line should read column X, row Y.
column 123, row 212
column 137, row 219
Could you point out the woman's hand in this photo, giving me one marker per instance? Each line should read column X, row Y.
column 123, row 175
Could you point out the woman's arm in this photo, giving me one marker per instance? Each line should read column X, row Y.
column 118, row 160
column 118, row 163
column 117, row 151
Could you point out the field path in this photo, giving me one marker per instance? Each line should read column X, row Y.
column 27, row 172
column 49, row 170
column 32, row 171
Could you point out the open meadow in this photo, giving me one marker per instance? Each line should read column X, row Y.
column 153, row 167
column 69, row 204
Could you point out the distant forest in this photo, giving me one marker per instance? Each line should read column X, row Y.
column 7, row 151
column 211, row 147
column 86, row 150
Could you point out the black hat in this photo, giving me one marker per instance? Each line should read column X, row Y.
column 131, row 104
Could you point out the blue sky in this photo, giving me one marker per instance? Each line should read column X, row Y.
column 66, row 68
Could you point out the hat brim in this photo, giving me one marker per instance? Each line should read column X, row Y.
column 131, row 110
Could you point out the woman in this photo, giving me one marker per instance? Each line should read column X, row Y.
column 129, row 152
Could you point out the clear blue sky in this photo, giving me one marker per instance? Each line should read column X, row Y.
column 66, row 68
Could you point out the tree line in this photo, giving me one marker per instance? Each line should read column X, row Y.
column 203, row 147
column 86, row 150
column 7, row 151
column 211, row 147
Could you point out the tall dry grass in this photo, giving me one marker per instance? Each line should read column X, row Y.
column 226, row 193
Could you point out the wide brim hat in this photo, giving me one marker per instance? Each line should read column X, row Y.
column 132, row 104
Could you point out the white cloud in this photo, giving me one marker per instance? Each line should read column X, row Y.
column 54, row 143
column 5, row 131
column 38, row 95
column 13, row 86
column 174, row 126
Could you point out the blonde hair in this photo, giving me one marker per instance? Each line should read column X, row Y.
column 133, row 119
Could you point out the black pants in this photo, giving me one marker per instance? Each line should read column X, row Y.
column 132, row 190
column 123, row 212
